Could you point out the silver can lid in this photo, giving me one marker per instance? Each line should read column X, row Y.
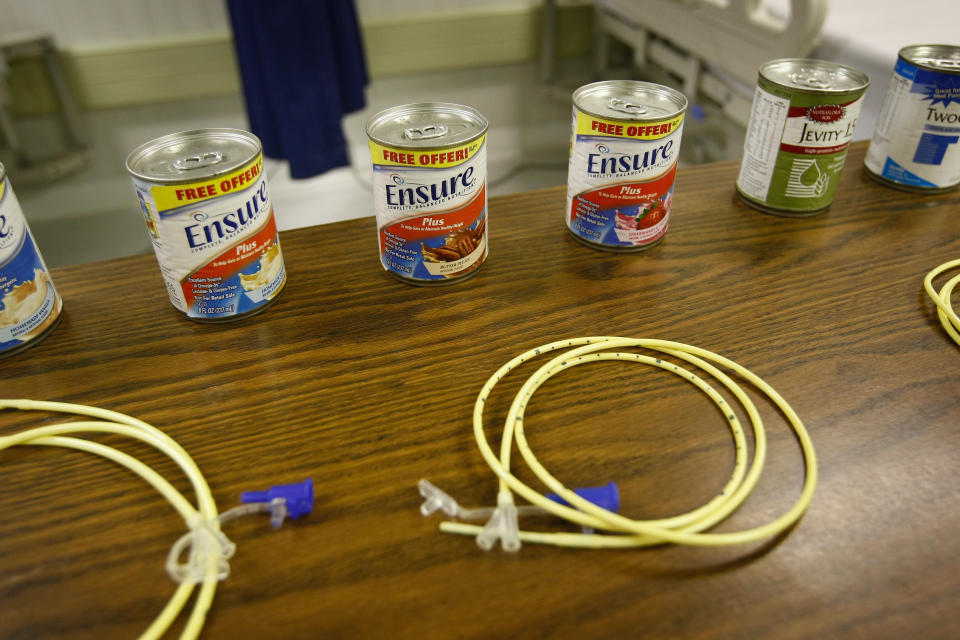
column 426, row 125
column 814, row 76
column 193, row 156
column 629, row 100
column 939, row 57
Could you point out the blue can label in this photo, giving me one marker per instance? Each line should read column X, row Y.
column 917, row 139
column 29, row 303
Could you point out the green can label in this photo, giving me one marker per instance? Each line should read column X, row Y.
column 795, row 147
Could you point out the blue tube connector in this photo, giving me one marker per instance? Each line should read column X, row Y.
column 297, row 497
column 606, row 497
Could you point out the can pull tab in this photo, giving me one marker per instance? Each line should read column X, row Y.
column 198, row 161
column 948, row 63
column 627, row 107
column 810, row 79
column 426, row 132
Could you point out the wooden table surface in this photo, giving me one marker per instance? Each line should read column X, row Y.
column 367, row 385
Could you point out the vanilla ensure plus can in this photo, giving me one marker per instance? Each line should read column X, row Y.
column 430, row 190
column 916, row 145
column 802, row 121
column 204, row 198
column 29, row 303
column 624, row 151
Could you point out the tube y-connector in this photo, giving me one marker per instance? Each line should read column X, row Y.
column 435, row 499
column 502, row 525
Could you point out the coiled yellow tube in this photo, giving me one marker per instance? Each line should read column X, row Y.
column 948, row 317
column 204, row 516
column 688, row 528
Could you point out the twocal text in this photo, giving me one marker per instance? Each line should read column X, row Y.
column 934, row 115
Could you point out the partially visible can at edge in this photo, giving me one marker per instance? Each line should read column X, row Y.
column 29, row 303
column 802, row 121
column 916, row 144
column 204, row 198
column 430, row 190
column 624, row 152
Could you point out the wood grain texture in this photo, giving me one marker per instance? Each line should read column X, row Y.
column 367, row 384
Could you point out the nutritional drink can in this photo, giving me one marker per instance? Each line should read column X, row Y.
column 205, row 201
column 802, row 121
column 430, row 191
column 916, row 145
column 624, row 153
column 30, row 306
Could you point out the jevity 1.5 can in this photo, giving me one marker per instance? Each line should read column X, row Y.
column 204, row 198
column 624, row 151
column 916, row 145
column 802, row 121
column 29, row 303
column 430, row 190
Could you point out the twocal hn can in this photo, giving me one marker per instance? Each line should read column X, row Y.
column 204, row 198
column 430, row 191
column 916, row 145
column 29, row 303
column 801, row 123
column 624, row 152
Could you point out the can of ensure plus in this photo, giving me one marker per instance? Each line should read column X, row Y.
column 624, row 151
column 29, row 304
column 205, row 202
column 430, row 190
column 801, row 123
column 916, row 145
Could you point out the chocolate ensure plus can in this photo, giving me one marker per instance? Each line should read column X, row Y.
column 29, row 303
column 430, row 190
column 801, row 123
column 916, row 145
column 624, row 151
column 205, row 202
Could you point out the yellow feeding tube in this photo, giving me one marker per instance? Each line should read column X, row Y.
column 687, row 528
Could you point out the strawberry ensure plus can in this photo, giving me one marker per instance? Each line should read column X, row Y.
column 430, row 190
column 916, row 145
column 205, row 202
column 624, row 151
column 29, row 304
column 801, row 123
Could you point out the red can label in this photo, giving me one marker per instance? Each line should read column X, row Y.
column 431, row 208
column 620, row 180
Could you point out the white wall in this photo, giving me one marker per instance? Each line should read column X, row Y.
column 380, row 9
column 80, row 24
column 104, row 23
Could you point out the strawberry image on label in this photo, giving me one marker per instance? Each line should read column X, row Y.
column 624, row 214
